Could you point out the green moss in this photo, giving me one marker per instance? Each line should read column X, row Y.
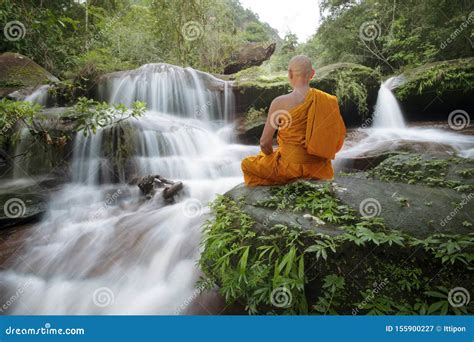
column 255, row 117
column 351, row 83
column 418, row 169
column 439, row 78
column 252, row 264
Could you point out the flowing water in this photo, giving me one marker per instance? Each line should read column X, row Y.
column 39, row 96
column 390, row 133
column 100, row 249
column 387, row 112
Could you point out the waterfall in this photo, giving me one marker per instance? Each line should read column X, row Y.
column 170, row 89
column 390, row 133
column 387, row 110
column 101, row 248
column 39, row 95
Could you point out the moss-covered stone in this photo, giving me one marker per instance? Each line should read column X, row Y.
column 18, row 71
column 433, row 90
column 355, row 86
column 352, row 246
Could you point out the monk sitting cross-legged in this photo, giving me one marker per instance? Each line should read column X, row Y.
column 310, row 132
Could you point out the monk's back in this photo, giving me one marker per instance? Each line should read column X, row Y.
column 294, row 119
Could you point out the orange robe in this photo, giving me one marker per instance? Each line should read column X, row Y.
column 315, row 132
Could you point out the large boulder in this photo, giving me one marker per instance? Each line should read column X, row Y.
column 252, row 54
column 432, row 91
column 365, row 243
column 21, row 204
column 355, row 85
column 22, row 74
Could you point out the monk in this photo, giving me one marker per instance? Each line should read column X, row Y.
column 310, row 132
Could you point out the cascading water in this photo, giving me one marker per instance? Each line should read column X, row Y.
column 387, row 110
column 389, row 132
column 39, row 96
column 100, row 249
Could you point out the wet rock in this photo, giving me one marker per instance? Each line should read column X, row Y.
column 21, row 206
column 19, row 72
column 149, row 184
column 255, row 88
column 432, row 91
column 252, row 54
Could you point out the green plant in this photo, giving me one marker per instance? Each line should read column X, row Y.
column 90, row 115
column 333, row 286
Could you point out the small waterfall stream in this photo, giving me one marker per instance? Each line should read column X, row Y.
column 387, row 112
column 389, row 132
column 102, row 250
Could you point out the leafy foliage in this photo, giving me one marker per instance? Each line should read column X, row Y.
column 248, row 261
column 417, row 169
column 90, row 115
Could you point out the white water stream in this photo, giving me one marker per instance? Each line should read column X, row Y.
column 99, row 250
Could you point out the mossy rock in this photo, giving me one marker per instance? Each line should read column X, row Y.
column 18, row 71
column 355, row 85
column 434, row 90
column 329, row 247
column 21, row 205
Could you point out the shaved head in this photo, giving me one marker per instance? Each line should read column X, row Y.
column 300, row 66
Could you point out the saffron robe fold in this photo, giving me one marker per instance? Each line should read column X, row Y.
column 306, row 145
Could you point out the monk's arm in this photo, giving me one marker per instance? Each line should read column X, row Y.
column 266, row 140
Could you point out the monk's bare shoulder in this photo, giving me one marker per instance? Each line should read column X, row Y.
column 281, row 102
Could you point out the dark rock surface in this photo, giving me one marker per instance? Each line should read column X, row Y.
column 249, row 55
column 19, row 72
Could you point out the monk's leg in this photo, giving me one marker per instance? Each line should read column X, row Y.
column 260, row 170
